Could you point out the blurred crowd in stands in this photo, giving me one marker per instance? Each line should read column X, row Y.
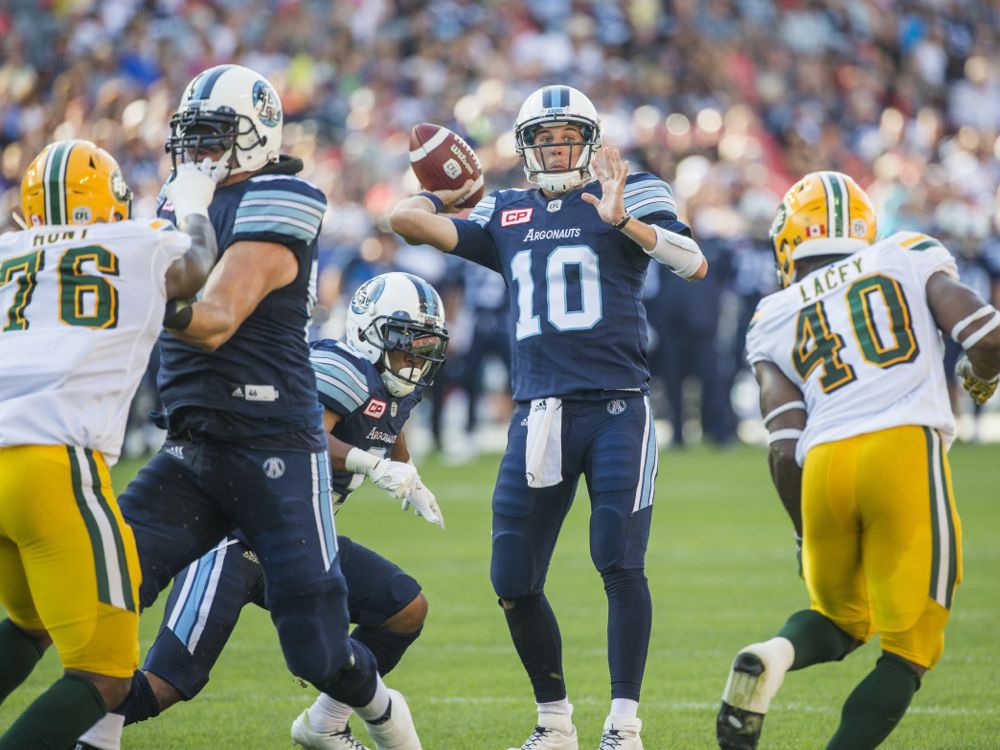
column 728, row 100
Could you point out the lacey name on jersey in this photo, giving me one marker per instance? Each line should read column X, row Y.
column 382, row 437
column 831, row 278
column 534, row 235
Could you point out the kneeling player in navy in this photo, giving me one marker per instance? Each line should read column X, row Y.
column 574, row 253
column 368, row 387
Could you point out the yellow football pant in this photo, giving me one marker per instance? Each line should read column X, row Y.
column 68, row 563
column 882, row 539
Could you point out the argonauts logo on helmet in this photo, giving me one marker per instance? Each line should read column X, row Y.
column 265, row 101
column 367, row 294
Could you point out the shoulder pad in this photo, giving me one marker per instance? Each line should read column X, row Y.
column 646, row 194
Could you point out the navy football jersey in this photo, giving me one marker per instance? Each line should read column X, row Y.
column 370, row 417
column 260, row 381
column 575, row 284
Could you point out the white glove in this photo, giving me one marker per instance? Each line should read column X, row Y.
column 976, row 385
column 192, row 188
column 394, row 477
column 422, row 500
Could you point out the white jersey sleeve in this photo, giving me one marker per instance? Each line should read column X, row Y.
column 80, row 310
column 859, row 340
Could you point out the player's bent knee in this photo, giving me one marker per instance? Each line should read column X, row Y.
column 410, row 618
column 166, row 694
column 314, row 646
column 113, row 690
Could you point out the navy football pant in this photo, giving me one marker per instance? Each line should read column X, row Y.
column 209, row 595
column 612, row 443
column 193, row 493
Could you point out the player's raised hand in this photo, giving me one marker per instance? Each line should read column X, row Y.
column 611, row 171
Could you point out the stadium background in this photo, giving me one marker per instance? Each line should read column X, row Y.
column 729, row 101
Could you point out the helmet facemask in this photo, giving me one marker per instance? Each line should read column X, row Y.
column 423, row 344
column 557, row 179
column 218, row 136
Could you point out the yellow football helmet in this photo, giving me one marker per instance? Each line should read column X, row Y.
column 824, row 213
column 74, row 182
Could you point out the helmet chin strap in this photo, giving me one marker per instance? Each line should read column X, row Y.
column 396, row 385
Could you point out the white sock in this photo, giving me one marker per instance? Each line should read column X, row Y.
column 378, row 705
column 625, row 708
column 777, row 655
column 106, row 734
column 560, row 708
column 327, row 715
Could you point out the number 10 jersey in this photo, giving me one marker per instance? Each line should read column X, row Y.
column 858, row 338
column 575, row 284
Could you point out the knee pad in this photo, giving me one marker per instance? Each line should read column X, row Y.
column 607, row 537
column 512, row 565
column 313, row 634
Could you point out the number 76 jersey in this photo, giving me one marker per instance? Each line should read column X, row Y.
column 80, row 310
column 859, row 340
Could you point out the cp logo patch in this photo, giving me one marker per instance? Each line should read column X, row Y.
column 274, row 467
column 616, row 406
column 375, row 408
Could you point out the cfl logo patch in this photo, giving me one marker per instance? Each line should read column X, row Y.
column 452, row 168
column 375, row 408
column 274, row 467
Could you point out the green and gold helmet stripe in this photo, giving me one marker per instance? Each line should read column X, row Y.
column 54, row 183
column 837, row 204
column 114, row 585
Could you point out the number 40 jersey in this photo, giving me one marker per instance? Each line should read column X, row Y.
column 80, row 310
column 858, row 338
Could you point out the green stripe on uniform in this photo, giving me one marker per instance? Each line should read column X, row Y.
column 116, row 533
column 93, row 530
column 949, row 505
column 932, row 492
column 925, row 245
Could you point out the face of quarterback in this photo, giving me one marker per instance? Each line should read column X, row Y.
column 565, row 149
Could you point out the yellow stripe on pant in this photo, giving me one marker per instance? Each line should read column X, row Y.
column 882, row 538
column 68, row 562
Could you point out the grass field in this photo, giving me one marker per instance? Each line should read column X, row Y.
column 722, row 571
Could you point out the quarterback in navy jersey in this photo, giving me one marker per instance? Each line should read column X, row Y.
column 367, row 395
column 239, row 401
column 574, row 254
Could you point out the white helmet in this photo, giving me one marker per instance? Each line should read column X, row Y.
column 399, row 312
column 556, row 105
column 228, row 107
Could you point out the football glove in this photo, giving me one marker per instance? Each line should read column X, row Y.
column 980, row 388
column 394, row 477
column 423, row 502
column 192, row 188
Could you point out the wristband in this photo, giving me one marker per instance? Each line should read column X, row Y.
column 625, row 220
column 434, row 199
column 358, row 461
column 178, row 319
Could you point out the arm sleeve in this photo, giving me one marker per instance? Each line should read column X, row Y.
column 476, row 244
column 342, row 386
column 650, row 199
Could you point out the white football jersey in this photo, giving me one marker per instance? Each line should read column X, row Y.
column 80, row 310
column 858, row 338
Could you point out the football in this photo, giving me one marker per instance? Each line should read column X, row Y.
column 442, row 160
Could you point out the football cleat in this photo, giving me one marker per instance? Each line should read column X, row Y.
column 621, row 733
column 551, row 733
column 736, row 727
column 395, row 731
column 305, row 736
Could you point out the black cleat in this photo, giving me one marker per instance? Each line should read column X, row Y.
column 738, row 728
